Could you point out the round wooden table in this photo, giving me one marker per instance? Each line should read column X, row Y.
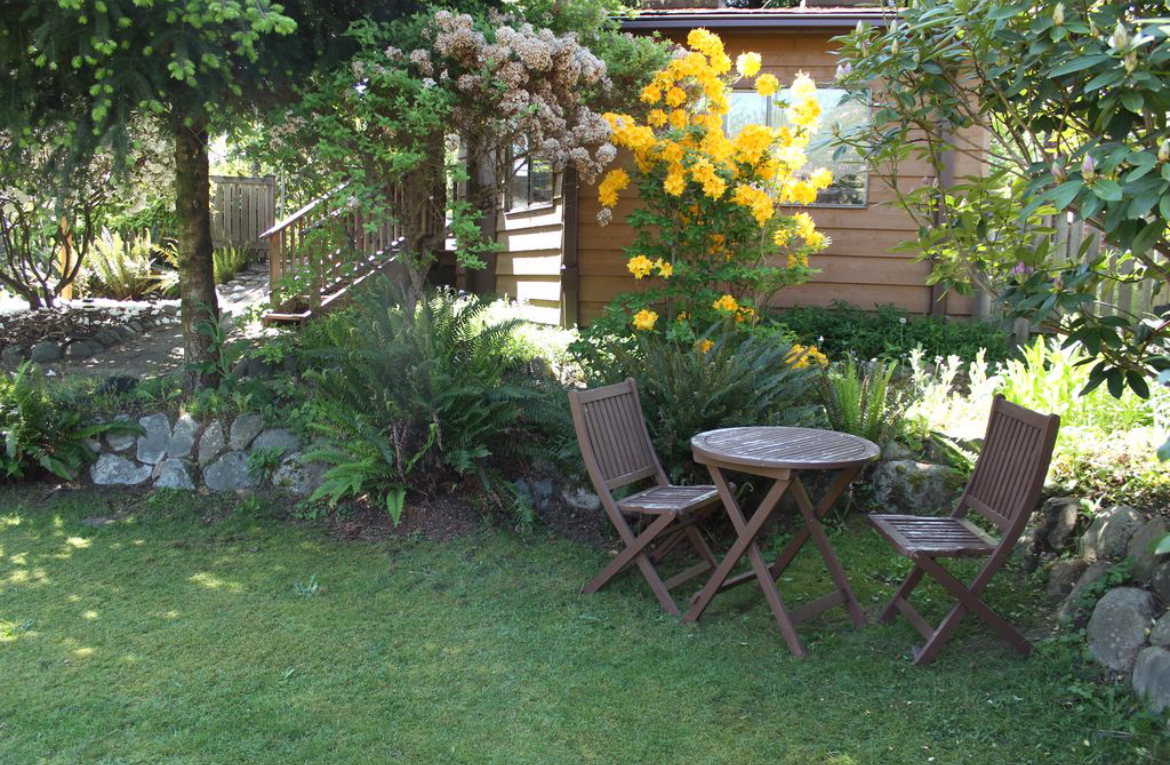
column 779, row 454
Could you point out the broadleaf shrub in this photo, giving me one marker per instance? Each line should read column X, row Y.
column 887, row 333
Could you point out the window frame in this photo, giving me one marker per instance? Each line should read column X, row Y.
column 769, row 101
column 510, row 206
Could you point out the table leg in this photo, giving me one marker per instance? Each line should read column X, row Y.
column 746, row 543
column 812, row 522
column 802, row 534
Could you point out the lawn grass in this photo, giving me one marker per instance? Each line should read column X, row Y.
column 187, row 632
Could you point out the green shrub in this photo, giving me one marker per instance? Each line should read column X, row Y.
column 413, row 400
column 888, row 333
column 740, row 380
column 228, row 261
column 38, row 433
column 121, row 270
column 1107, row 447
column 858, row 399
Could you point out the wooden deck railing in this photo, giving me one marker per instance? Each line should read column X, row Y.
column 317, row 254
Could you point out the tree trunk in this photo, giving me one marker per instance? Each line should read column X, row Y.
column 424, row 204
column 483, row 192
column 200, row 309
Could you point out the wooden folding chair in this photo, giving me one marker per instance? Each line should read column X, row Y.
column 617, row 451
column 1004, row 489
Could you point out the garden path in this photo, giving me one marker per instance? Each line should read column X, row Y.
column 160, row 351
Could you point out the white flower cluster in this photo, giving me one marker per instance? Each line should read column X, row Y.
column 526, row 83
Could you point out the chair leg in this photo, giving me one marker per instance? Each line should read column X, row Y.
column 660, row 551
column 903, row 594
column 969, row 600
column 635, row 552
column 701, row 546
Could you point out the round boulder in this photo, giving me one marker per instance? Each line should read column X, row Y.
column 1109, row 533
column 1117, row 629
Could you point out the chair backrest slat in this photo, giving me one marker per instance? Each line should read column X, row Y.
column 613, row 437
column 1010, row 472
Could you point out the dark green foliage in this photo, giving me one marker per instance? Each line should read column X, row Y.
column 888, row 333
column 858, row 399
column 738, row 381
column 40, row 434
column 410, row 400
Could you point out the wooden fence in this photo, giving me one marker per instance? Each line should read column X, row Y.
column 1073, row 242
column 1115, row 297
column 241, row 210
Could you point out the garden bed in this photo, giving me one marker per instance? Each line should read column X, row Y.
column 76, row 329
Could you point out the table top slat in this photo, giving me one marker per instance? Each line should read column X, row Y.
column 779, row 448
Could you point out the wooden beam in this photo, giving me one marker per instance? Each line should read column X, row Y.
column 570, row 281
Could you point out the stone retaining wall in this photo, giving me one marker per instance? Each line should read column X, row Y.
column 218, row 455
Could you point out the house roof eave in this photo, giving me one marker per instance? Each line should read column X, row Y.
column 804, row 19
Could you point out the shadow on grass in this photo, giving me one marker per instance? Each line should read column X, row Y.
column 183, row 631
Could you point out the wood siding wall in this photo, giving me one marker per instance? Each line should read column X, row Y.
column 528, row 268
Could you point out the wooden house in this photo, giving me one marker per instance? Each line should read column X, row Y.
column 565, row 267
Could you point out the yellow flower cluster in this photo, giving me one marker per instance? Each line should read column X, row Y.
column 614, row 181
column 641, row 266
column 767, row 84
column 729, row 306
column 645, row 320
column 704, row 172
column 800, row 357
column 726, row 304
column 707, row 176
column 747, row 64
column 805, row 109
column 753, row 143
column 755, row 200
column 804, row 228
column 684, row 133
column 702, row 346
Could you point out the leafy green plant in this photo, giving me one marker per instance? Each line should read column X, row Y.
column 1118, row 574
column 229, row 261
column 38, row 433
column 119, row 269
column 685, row 390
column 262, row 463
column 409, row 399
column 858, row 399
column 887, row 333
column 1106, row 447
column 308, row 589
column 222, row 354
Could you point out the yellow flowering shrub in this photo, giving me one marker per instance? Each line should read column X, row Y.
column 711, row 227
column 801, row 357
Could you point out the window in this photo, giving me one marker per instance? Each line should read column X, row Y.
column 850, row 180
column 532, row 182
